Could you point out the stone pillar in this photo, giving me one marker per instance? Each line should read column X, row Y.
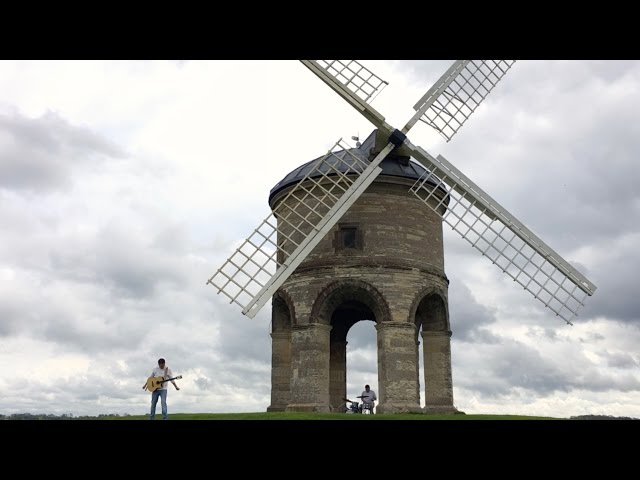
column 310, row 368
column 338, row 375
column 397, row 368
column 280, row 371
column 438, row 383
column 417, row 368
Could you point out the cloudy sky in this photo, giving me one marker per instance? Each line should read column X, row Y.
column 125, row 185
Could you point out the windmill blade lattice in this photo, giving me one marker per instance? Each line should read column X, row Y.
column 489, row 228
column 283, row 240
column 275, row 249
column 248, row 271
column 457, row 94
column 353, row 75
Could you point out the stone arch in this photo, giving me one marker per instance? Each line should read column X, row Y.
column 340, row 291
column 342, row 304
column 430, row 314
column 430, row 310
column 283, row 312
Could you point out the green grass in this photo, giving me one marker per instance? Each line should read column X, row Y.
column 328, row 416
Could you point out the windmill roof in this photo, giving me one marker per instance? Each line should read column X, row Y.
column 392, row 166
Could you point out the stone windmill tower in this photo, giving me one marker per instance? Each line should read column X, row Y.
column 357, row 235
column 382, row 262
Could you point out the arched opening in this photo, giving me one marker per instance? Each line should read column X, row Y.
column 431, row 314
column 433, row 334
column 362, row 360
column 342, row 305
column 280, row 315
column 346, row 319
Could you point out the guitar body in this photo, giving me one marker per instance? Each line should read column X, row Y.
column 154, row 383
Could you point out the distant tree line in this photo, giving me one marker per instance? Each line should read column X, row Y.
column 50, row 416
column 600, row 417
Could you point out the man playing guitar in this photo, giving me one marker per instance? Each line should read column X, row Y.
column 160, row 391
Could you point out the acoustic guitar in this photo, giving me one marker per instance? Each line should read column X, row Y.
column 154, row 383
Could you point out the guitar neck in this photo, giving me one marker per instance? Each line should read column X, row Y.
column 174, row 378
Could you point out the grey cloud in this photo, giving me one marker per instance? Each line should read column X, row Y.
column 592, row 337
column 524, row 367
column 620, row 360
column 617, row 295
column 467, row 317
column 173, row 239
column 245, row 376
column 40, row 154
column 117, row 258
column 83, row 316
column 610, row 70
column 22, row 169
column 423, row 72
column 499, row 369
column 75, row 395
column 596, row 381
column 203, row 383
column 361, row 335
column 502, row 369
column 11, row 313
column 240, row 338
column 363, row 361
column 78, row 333
column 66, row 322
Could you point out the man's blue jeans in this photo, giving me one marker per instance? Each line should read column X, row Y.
column 154, row 400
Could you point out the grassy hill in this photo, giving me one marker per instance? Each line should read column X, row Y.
column 327, row 416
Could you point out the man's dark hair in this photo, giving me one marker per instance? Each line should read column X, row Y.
column 161, row 360
column 367, row 386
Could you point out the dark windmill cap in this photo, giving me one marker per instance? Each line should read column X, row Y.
column 397, row 164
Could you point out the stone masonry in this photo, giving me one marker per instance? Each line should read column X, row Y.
column 392, row 275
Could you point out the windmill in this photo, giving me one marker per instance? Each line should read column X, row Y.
column 274, row 250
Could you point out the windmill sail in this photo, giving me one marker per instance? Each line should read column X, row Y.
column 353, row 75
column 455, row 96
column 285, row 238
column 298, row 222
column 349, row 87
column 499, row 236
column 472, row 212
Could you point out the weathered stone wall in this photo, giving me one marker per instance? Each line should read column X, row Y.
column 397, row 367
column 280, row 371
column 310, row 368
column 437, row 372
column 400, row 259
column 394, row 223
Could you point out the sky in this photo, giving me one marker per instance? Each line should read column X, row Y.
column 124, row 185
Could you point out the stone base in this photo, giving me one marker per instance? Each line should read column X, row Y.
column 308, row 407
column 440, row 409
column 390, row 408
column 276, row 408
